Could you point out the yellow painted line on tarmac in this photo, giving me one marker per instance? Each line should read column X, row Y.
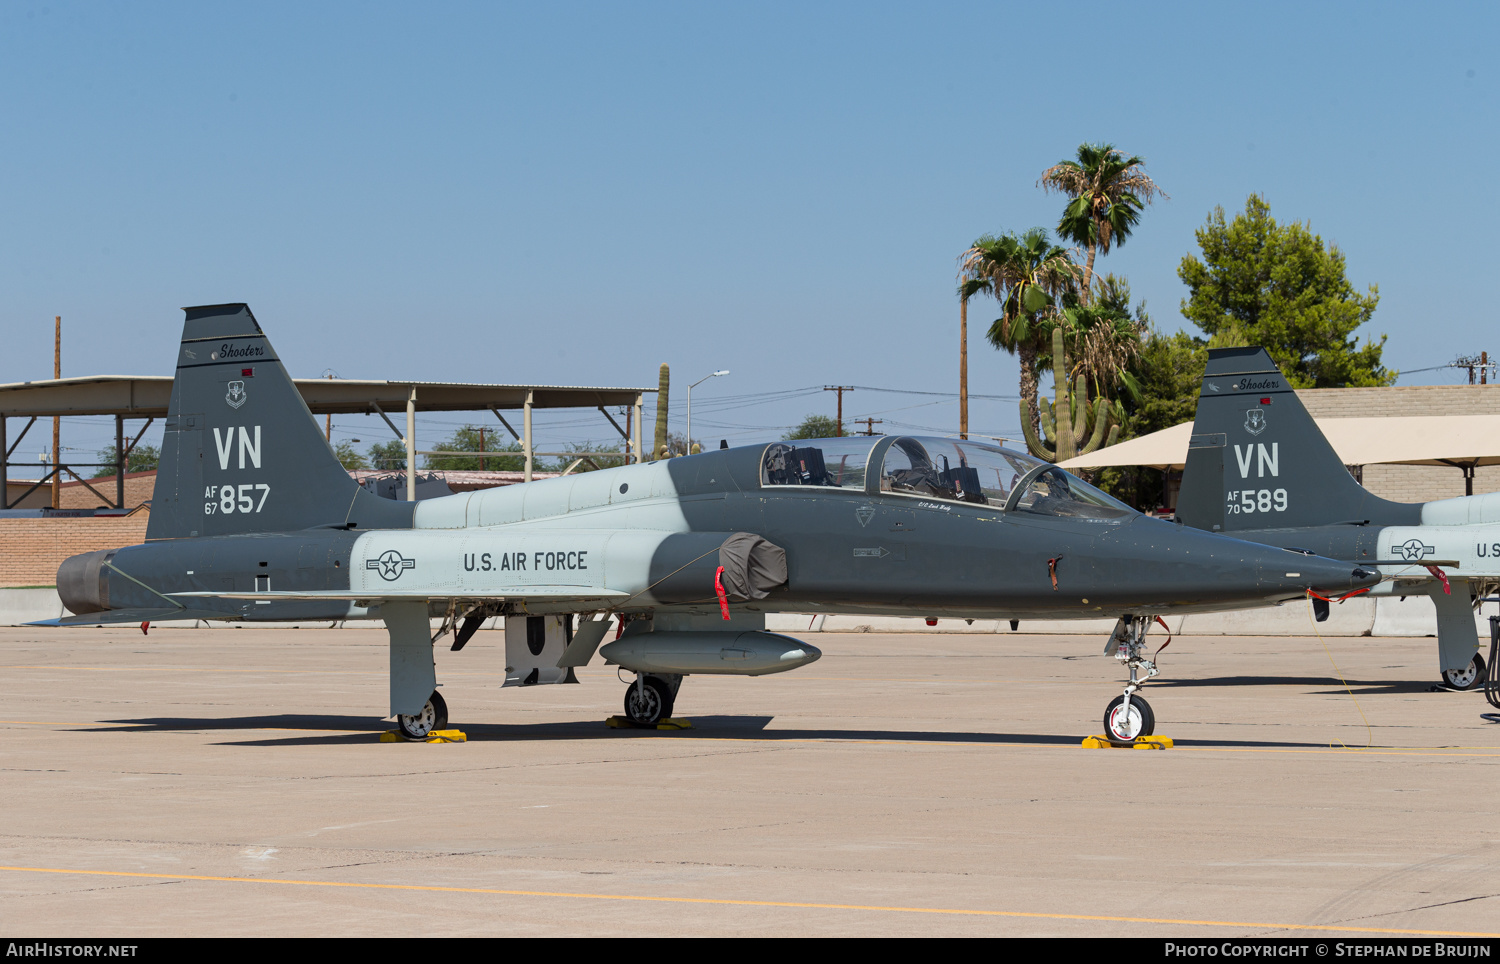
column 962, row 912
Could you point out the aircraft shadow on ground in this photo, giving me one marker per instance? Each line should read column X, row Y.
column 1372, row 687
column 357, row 730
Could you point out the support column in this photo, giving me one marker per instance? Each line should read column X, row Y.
column 119, row 461
column 57, row 422
column 636, row 440
column 526, row 445
column 4, row 466
column 411, row 445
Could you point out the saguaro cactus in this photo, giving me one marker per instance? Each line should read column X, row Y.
column 1066, row 421
column 659, row 449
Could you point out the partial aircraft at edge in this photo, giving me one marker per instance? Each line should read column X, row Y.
column 255, row 520
column 1258, row 468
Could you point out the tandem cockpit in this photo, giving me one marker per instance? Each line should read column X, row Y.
column 946, row 469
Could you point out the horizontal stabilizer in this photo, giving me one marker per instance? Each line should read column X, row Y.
column 116, row 616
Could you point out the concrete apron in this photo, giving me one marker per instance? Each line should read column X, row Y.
column 1385, row 616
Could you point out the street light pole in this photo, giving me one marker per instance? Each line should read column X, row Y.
column 690, row 406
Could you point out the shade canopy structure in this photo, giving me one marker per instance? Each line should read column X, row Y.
column 147, row 397
column 1462, row 441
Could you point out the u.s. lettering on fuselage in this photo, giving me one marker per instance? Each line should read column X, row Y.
column 568, row 560
column 229, row 498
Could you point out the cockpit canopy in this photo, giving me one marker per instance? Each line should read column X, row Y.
column 952, row 470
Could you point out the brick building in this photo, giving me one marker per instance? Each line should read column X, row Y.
column 33, row 548
column 1411, row 483
column 76, row 495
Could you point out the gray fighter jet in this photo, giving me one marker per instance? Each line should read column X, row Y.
column 254, row 519
column 1259, row 468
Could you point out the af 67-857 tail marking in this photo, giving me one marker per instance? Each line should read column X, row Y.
column 232, row 498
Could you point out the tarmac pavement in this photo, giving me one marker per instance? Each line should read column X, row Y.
column 231, row 782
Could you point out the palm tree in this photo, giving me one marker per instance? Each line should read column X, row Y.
column 1108, row 191
column 1028, row 274
column 1103, row 342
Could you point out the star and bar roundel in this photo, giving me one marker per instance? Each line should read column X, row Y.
column 390, row 564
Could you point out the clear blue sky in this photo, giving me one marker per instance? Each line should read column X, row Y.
column 576, row 193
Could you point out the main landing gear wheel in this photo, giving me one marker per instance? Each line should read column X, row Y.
column 434, row 716
column 1124, row 725
column 1471, row 677
column 648, row 701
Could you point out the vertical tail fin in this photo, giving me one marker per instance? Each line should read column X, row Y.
column 1258, row 460
column 241, row 452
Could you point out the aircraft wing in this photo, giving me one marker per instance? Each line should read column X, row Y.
column 152, row 615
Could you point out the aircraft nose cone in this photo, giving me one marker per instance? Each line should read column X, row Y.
column 1325, row 576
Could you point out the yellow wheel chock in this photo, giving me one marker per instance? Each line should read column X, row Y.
column 1139, row 743
column 625, row 723
column 436, row 736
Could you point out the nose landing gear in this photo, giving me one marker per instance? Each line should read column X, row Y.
column 1129, row 716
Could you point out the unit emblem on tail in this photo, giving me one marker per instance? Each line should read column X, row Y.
column 236, row 396
column 1255, row 421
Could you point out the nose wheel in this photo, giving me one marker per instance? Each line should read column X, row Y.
column 1124, row 721
column 419, row 726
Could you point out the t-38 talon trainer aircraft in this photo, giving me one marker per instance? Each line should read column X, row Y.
column 1284, row 485
column 254, row 519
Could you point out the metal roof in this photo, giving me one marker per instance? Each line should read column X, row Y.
column 146, row 396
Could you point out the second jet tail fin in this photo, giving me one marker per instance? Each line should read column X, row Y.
column 1257, row 459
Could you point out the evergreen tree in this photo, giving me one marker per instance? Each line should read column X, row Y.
column 142, row 458
column 497, row 457
column 350, row 457
column 1280, row 287
column 388, row 456
column 815, row 426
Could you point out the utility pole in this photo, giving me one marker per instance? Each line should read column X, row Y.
column 56, row 421
column 481, row 448
column 1480, row 363
column 329, row 374
column 841, row 389
column 870, row 424
column 722, row 371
